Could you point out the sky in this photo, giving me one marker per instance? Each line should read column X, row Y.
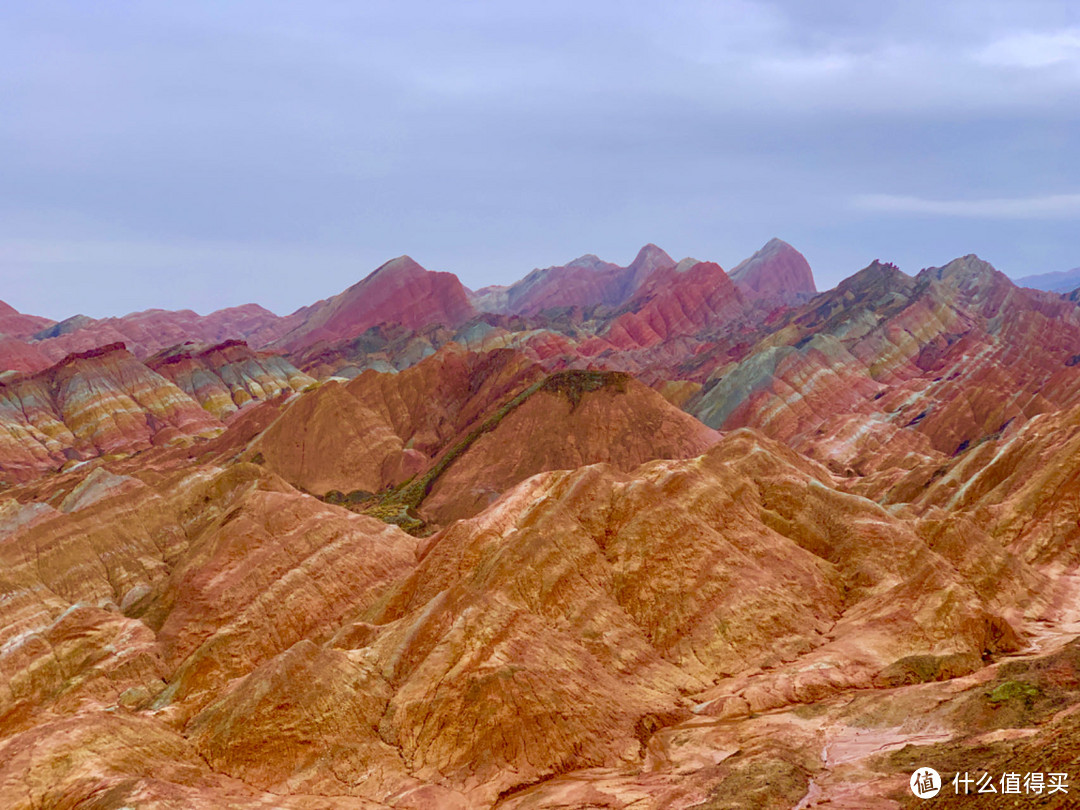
column 203, row 154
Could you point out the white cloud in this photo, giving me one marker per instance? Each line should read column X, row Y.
column 1031, row 49
column 1052, row 206
column 808, row 67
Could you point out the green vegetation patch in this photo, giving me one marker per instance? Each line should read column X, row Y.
column 1016, row 690
column 925, row 668
column 575, row 383
column 354, row 498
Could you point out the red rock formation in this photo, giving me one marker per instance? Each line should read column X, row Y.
column 14, row 324
column 193, row 564
column 17, row 355
column 889, row 371
column 470, row 426
column 242, row 626
column 379, row 429
column 327, row 440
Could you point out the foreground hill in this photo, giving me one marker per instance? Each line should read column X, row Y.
column 459, row 428
column 246, row 640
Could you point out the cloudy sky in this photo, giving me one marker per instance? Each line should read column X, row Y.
column 205, row 154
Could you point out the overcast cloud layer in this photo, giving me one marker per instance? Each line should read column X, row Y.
column 204, row 155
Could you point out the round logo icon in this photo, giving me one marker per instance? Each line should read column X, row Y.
column 925, row 783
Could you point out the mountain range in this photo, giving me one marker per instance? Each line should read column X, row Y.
column 649, row 536
column 1062, row 281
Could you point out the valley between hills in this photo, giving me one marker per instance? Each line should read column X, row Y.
column 647, row 536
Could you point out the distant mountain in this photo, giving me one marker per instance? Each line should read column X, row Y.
column 15, row 324
column 147, row 332
column 398, row 292
column 31, row 343
column 1062, row 281
column 675, row 302
column 402, row 312
column 584, row 282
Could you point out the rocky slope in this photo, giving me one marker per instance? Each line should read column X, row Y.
column 381, row 428
column 573, row 419
column 15, row 353
column 17, row 325
column 19, row 356
column 254, row 639
column 106, row 402
column 676, row 302
column 888, row 370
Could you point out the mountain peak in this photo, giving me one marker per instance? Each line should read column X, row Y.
column 400, row 291
column 875, row 280
column 590, row 261
column 967, row 272
column 649, row 258
column 651, row 253
column 64, row 327
column 776, row 243
column 402, row 265
column 776, row 272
